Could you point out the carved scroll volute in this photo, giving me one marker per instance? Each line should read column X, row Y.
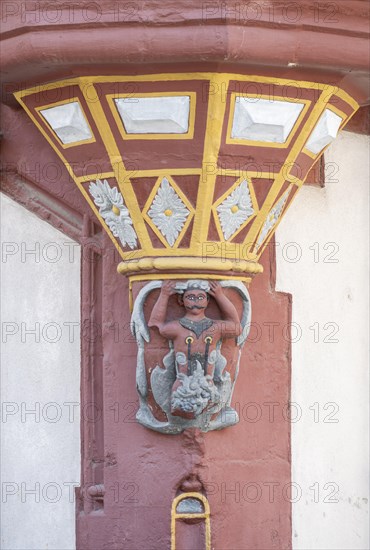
column 189, row 335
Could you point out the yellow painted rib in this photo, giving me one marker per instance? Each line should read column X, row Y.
column 86, row 81
column 121, row 175
column 212, row 143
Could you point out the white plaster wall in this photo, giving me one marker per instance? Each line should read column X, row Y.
column 330, row 371
column 40, row 452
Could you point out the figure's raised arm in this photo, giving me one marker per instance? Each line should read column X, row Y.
column 158, row 316
column 230, row 323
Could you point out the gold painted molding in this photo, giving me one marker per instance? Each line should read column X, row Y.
column 160, row 264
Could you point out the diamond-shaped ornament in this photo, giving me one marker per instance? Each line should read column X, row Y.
column 235, row 210
column 272, row 218
column 168, row 212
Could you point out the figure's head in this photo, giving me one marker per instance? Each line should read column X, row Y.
column 195, row 299
column 193, row 294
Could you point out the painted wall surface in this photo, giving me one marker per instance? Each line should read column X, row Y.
column 322, row 259
column 40, row 375
column 237, row 467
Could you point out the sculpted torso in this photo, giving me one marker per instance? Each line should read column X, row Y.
column 195, row 339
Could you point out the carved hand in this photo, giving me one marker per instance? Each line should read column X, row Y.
column 215, row 289
column 168, row 288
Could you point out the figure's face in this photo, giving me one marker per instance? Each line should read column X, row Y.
column 195, row 299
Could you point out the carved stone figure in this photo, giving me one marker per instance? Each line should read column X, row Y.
column 193, row 385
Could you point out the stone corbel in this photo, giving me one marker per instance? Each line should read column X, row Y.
column 187, row 364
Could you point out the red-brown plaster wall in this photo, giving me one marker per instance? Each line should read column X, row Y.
column 142, row 470
column 41, row 40
column 250, row 462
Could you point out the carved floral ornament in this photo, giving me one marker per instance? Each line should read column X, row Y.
column 185, row 180
column 167, row 212
column 114, row 212
column 235, row 209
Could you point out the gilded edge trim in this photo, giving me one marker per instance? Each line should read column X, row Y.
column 212, row 143
column 205, row 515
column 188, row 263
column 154, row 77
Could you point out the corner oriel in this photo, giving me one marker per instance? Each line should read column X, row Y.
column 191, row 186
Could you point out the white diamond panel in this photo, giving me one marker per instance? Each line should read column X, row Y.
column 154, row 115
column 264, row 120
column 325, row 132
column 68, row 122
